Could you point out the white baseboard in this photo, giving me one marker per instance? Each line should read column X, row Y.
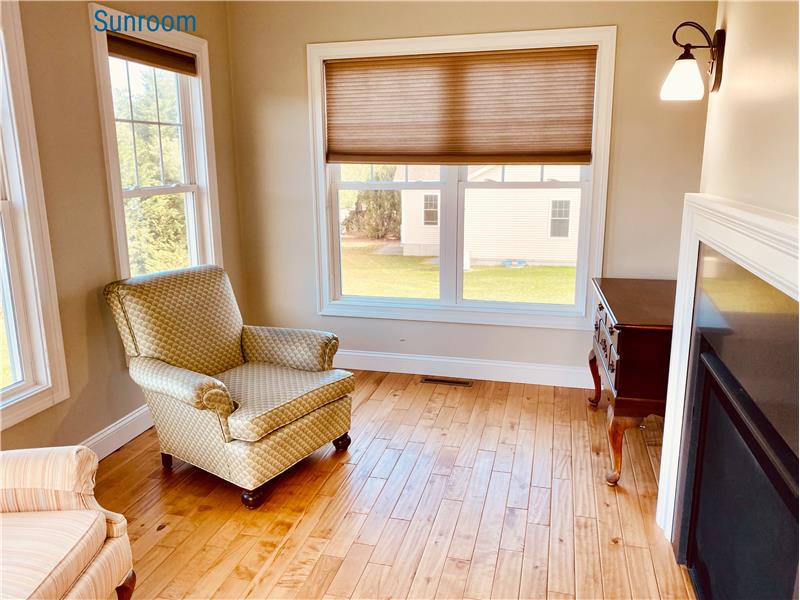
column 120, row 432
column 472, row 368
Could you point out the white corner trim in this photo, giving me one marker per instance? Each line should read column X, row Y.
column 763, row 242
column 473, row 368
column 119, row 433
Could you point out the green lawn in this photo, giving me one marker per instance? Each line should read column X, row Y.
column 367, row 273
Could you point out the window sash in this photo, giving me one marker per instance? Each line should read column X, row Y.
column 29, row 274
column 452, row 191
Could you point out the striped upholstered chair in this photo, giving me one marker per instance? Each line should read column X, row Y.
column 56, row 541
column 242, row 402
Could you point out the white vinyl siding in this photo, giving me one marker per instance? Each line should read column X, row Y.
column 523, row 225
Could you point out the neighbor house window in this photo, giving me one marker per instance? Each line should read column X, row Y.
column 154, row 95
column 448, row 190
column 559, row 218
column 430, row 209
column 32, row 365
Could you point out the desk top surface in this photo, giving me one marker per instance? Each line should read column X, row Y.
column 638, row 302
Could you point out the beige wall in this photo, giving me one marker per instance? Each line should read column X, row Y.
column 751, row 135
column 655, row 156
column 65, row 104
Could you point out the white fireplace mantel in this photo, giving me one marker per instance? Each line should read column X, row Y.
column 763, row 242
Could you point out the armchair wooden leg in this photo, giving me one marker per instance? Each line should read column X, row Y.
column 125, row 591
column 252, row 499
column 166, row 460
column 342, row 442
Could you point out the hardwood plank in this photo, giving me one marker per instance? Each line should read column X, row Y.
column 561, row 566
column 543, row 452
column 507, row 575
column 521, row 470
column 539, row 506
column 431, row 564
column 533, row 583
column 588, row 576
column 487, row 542
column 643, row 578
column 453, row 579
column 514, row 523
column 373, row 582
column 349, row 572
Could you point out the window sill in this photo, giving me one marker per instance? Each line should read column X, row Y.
column 557, row 317
column 28, row 401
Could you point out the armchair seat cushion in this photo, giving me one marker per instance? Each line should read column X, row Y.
column 45, row 552
column 270, row 396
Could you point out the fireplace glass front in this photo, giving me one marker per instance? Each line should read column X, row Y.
column 738, row 518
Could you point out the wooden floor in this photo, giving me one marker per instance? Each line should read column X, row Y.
column 493, row 491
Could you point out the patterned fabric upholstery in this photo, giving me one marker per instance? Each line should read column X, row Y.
column 187, row 318
column 253, row 463
column 242, row 402
column 271, row 396
column 304, row 349
column 52, row 479
column 45, row 552
column 201, row 391
column 105, row 573
column 55, row 539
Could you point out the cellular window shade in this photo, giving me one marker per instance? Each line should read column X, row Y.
column 148, row 53
column 530, row 106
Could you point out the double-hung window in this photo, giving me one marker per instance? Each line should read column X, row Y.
column 462, row 178
column 155, row 100
column 33, row 373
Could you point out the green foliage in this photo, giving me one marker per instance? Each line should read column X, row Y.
column 377, row 212
column 157, row 237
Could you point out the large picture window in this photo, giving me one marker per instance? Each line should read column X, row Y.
column 159, row 144
column 512, row 240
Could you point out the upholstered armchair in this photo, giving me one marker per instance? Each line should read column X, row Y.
column 56, row 541
column 242, row 402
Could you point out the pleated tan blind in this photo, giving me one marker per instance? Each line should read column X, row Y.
column 154, row 55
column 521, row 106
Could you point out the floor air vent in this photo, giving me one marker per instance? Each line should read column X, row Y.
column 447, row 381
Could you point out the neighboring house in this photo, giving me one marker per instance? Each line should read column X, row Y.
column 537, row 226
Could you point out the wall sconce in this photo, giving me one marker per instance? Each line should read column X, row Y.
column 684, row 81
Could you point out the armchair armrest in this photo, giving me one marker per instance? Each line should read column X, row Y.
column 196, row 389
column 304, row 349
column 51, row 479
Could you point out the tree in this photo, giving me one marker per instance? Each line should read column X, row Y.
column 377, row 212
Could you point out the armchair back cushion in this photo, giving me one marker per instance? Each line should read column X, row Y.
column 188, row 318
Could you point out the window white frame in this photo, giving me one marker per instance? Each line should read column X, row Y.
column 435, row 210
column 41, row 346
column 554, row 218
column 203, row 224
column 449, row 308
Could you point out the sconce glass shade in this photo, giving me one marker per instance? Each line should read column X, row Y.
column 684, row 81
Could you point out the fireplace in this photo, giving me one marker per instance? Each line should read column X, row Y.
column 736, row 526
column 727, row 489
